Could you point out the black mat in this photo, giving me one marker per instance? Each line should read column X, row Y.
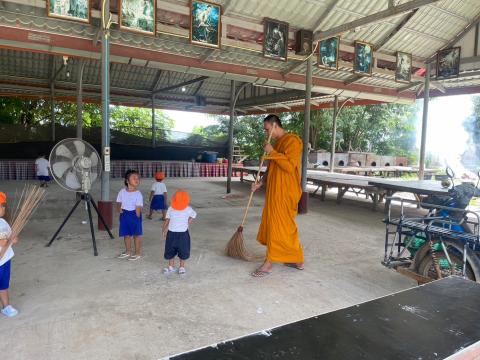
column 428, row 322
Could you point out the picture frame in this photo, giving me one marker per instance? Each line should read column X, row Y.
column 205, row 23
column 328, row 53
column 74, row 10
column 139, row 16
column 363, row 58
column 403, row 70
column 448, row 62
column 275, row 39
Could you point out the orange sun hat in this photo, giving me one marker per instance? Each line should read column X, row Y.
column 180, row 200
column 3, row 198
column 159, row 175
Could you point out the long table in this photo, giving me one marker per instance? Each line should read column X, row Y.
column 386, row 171
column 434, row 321
column 376, row 189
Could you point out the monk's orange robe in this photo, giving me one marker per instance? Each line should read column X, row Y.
column 278, row 230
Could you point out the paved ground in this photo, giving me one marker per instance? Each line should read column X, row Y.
column 77, row 306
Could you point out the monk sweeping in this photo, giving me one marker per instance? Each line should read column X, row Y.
column 278, row 231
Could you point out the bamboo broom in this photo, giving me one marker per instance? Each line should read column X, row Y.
column 236, row 246
column 29, row 200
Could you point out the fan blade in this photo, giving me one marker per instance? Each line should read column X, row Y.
column 60, row 168
column 94, row 159
column 63, row 151
column 80, row 146
column 72, row 182
column 93, row 177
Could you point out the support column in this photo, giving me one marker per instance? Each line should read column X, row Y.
column 52, row 108
column 81, row 66
column 105, row 73
column 334, row 135
column 230, row 136
column 154, row 125
column 426, row 98
column 303, row 205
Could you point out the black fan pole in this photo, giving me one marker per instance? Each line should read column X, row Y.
column 95, row 252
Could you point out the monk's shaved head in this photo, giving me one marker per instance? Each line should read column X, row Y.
column 273, row 119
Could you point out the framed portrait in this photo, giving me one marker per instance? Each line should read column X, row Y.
column 275, row 39
column 138, row 16
column 77, row 10
column 403, row 71
column 363, row 59
column 205, row 23
column 328, row 53
column 448, row 62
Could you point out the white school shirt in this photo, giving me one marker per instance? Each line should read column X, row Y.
column 130, row 200
column 42, row 166
column 179, row 218
column 159, row 188
column 5, row 232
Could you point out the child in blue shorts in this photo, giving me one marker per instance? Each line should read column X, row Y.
column 5, row 232
column 129, row 205
column 175, row 231
column 158, row 195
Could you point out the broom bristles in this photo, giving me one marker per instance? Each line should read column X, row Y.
column 236, row 247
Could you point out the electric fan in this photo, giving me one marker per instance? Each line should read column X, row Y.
column 75, row 166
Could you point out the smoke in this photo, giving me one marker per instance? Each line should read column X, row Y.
column 447, row 139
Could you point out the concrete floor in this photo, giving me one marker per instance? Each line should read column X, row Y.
column 77, row 306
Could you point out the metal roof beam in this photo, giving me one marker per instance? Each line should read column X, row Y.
column 157, row 80
column 381, row 15
column 379, row 44
column 325, row 14
column 408, row 86
column 272, row 98
column 352, row 79
column 293, row 67
column 185, row 83
column 198, row 88
column 457, row 37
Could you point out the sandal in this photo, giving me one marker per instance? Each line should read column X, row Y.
column 295, row 266
column 134, row 257
column 9, row 311
column 123, row 255
column 182, row 270
column 149, row 217
column 169, row 270
column 260, row 273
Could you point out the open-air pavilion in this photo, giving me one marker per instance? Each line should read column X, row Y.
column 78, row 306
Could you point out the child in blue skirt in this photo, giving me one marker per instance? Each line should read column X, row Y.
column 5, row 260
column 158, row 195
column 175, row 230
column 130, row 204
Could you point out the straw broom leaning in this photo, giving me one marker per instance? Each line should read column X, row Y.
column 236, row 246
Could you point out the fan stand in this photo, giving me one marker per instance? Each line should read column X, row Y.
column 89, row 201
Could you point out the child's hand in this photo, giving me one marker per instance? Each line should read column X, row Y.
column 15, row 240
column 164, row 234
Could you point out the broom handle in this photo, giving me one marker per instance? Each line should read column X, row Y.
column 258, row 176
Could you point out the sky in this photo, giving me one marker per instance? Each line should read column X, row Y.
column 446, row 136
column 185, row 121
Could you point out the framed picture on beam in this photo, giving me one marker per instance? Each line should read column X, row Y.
column 363, row 59
column 77, row 10
column 138, row 16
column 403, row 70
column 275, row 39
column 328, row 53
column 448, row 63
column 205, row 24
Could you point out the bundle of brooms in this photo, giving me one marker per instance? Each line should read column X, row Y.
column 28, row 202
column 236, row 246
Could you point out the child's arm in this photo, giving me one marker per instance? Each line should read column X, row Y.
column 119, row 207
column 165, row 228
column 138, row 210
column 165, row 198
column 151, row 196
column 190, row 221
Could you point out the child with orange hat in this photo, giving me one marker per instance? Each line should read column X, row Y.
column 5, row 232
column 158, row 195
column 175, row 230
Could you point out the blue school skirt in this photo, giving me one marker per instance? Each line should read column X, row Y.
column 130, row 224
column 5, row 275
column 158, row 203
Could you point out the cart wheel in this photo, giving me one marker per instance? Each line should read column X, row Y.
column 423, row 262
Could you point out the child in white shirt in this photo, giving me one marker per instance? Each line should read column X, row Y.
column 175, row 231
column 129, row 205
column 158, row 196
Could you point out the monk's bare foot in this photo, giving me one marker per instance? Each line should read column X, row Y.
column 263, row 270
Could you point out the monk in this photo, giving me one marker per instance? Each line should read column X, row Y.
column 278, row 231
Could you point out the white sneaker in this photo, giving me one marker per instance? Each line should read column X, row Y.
column 9, row 311
column 169, row 270
column 182, row 270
